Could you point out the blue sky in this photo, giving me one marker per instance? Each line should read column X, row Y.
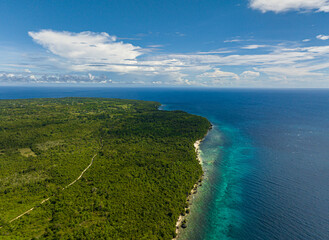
column 222, row 43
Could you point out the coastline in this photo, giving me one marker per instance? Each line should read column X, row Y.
column 181, row 218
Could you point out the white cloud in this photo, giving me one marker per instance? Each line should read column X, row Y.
column 323, row 37
column 290, row 5
column 218, row 74
column 157, row 82
column 233, row 40
column 255, row 46
column 32, row 77
column 249, row 75
column 291, row 71
column 218, row 78
column 156, row 46
column 91, row 77
column 180, row 34
column 24, row 77
column 279, row 56
column 91, row 52
column 94, row 53
column 306, row 40
column 87, row 49
column 106, row 81
column 238, row 39
column 283, row 62
column 217, row 51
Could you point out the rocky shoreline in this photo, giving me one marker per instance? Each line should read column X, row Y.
column 181, row 222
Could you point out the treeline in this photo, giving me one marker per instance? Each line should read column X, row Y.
column 136, row 188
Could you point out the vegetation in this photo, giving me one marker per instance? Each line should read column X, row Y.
column 135, row 189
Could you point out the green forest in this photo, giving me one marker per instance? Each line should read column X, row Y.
column 142, row 166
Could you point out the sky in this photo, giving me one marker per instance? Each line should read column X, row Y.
column 196, row 43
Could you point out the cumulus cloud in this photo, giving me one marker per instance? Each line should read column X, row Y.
column 218, row 78
column 218, row 74
column 101, row 52
column 282, row 61
column 86, row 45
column 88, row 50
column 323, row 37
column 83, row 56
column 249, row 75
column 278, row 6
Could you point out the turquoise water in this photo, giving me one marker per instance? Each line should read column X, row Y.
column 266, row 160
column 215, row 212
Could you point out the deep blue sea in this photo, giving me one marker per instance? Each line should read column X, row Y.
column 266, row 159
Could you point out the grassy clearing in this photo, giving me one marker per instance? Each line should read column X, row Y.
column 49, row 144
column 136, row 188
column 26, row 152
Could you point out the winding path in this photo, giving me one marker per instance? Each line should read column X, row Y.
column 91, row 163
column 47, row 199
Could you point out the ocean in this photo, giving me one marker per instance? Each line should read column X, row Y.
column 266, row 160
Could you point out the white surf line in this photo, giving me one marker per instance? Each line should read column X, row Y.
column 45, row 200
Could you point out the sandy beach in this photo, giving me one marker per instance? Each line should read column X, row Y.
column 194, row 189
column 195, row 186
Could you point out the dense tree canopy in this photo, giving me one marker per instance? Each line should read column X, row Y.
column 144, row 168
